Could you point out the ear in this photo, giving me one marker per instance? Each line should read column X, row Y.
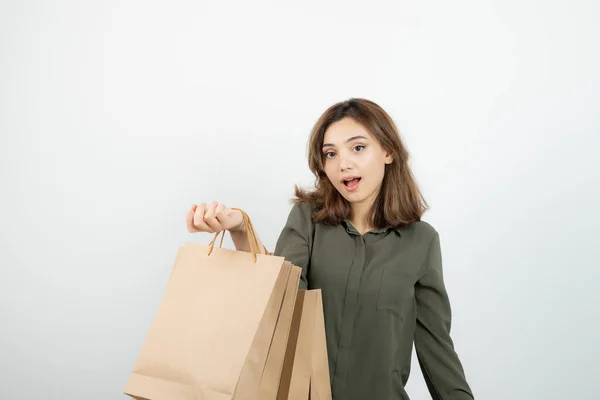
column 389, row 157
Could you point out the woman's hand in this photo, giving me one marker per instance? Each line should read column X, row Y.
column 213, row 218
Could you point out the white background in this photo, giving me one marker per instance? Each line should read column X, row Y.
column 116, row 116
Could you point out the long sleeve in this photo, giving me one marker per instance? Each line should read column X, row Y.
column 441, row 367
column 295, row 240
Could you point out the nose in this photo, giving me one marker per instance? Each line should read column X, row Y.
column 345, row 164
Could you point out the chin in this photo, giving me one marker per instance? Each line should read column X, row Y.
column 349, row 199
column 353, row 199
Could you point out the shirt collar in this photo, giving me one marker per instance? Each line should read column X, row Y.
column 351, row 229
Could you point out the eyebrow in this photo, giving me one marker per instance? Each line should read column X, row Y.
column 347, row 141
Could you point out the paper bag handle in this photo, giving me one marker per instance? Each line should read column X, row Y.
column 252, row 238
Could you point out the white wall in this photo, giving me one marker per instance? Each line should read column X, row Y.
column 116, row 116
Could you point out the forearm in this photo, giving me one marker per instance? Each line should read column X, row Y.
column 240, row 240
column 441, row 366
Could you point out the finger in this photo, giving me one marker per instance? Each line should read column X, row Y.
column 220, row 213
column 210, row 210
column 210, row 217
column 199, row 218
column 189, row 219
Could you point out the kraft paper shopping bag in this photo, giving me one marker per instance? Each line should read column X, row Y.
column 211, row 334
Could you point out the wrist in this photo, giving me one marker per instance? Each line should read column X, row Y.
column 239, row 229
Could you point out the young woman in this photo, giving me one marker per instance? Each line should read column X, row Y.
column 359, row 237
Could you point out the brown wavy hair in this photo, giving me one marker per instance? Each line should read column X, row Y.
column 400, row 200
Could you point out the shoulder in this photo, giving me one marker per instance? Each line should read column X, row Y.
column 298, row 230
column 304, row 208
column 424, row 240
column 419, row 231
column 302, row 211
column 301, row 216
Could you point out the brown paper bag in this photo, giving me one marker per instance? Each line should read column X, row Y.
column 320, row 385
column 306, row 368
column 300, row 379
column 211, row 334
column 290, row 363
column 270, row 381
column 262, row 349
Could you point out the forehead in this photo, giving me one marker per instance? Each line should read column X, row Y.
column 340, row 131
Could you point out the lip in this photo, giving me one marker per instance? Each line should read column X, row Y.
column 353, row 187
column 345, row 178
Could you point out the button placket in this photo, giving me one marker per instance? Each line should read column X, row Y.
column 349, row 312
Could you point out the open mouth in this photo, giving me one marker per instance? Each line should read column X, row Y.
column 351, row 183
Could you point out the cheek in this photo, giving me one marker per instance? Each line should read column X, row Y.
column 375, row 168
column 329, row 169
column 332, row 180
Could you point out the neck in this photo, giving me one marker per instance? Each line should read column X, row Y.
column 360, row 217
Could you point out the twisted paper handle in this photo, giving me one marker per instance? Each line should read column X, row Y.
column 252, row 237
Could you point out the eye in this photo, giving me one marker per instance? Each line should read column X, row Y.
column 359, row 148
column 329, row 154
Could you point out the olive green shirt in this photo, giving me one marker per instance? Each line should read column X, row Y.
column 382, row 291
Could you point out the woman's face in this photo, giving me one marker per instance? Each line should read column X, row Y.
column 354, row 161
